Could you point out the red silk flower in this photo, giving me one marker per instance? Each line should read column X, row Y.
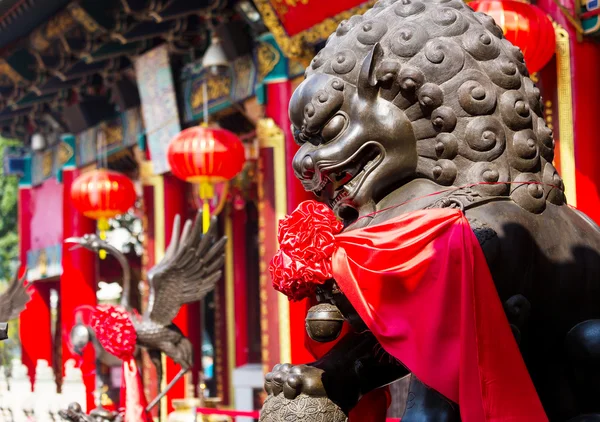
column 307, row 242
column 115, row 331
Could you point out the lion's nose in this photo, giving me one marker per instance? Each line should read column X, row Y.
column 304, row 166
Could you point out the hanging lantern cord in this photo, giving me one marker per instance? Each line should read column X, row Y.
column 207, row 192
column 103, row 226
column 206, row 188
column 205, row 103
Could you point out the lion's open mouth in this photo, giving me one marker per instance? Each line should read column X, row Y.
column 342, row 180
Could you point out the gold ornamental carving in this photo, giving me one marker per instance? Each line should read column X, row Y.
column 217, row 87
column 114, row 134
column 565, row 113
column 58, row 25
column 268, row 57
column 38, row 42
column 297, row 46
column 84, row 19
column 65, row 153
column 10, row 73
column 47, row 163
column 263, row 280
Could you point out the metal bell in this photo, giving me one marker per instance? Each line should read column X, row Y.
column 324, row 322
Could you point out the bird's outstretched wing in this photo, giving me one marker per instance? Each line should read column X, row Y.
column 189, row 270
column 14, row 299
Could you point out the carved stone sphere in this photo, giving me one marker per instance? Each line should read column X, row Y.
column 324, row 322
column 302, row 408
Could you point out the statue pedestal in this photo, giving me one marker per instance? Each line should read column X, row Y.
column 302, row 408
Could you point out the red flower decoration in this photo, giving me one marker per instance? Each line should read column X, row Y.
column 307, row 242
column 115, row 331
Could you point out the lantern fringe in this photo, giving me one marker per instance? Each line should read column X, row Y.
column 103, row 227
column 207, row 192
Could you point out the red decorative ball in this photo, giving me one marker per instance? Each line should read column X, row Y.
column 307, row 242
column 115, row 331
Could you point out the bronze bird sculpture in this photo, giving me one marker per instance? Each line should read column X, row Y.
column 12, row 302
column 188, row 271
column 74, row 413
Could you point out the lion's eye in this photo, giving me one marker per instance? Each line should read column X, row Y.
column 334, row 127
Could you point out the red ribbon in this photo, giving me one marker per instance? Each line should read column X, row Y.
column 132, row 393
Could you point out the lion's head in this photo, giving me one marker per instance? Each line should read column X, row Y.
column 416, row 89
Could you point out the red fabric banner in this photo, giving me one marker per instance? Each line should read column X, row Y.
column 421, row 284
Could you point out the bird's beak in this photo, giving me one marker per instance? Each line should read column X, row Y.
column 75, row 241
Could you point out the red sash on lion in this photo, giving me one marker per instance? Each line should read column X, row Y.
column 422, row 285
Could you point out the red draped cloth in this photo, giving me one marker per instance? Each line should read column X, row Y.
column 421, row 284
column 132, row 394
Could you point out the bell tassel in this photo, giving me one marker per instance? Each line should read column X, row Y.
column 103, row 227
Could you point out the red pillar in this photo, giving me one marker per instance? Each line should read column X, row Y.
column 151, row 381
column 78, row 280
column 278, row 98
column 35, row 321
column 239, row 220
column 175, row 203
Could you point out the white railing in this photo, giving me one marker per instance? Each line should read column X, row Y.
column 19, row 404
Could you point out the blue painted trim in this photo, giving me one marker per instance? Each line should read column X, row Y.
column 141, row 141
column 25, row 181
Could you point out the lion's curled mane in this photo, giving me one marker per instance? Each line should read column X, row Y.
column 475, row 112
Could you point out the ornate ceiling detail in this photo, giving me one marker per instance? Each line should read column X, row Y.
column 75, row 44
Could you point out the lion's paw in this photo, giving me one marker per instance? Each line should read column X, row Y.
column 295, row 380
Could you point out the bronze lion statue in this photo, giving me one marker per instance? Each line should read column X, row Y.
column 403, row 103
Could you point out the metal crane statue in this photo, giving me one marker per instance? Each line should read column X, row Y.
column 12, row 302
column 189, row 270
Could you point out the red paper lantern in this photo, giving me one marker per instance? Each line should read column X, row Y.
column 206, row 155
column 524, row 25
column 103, row 194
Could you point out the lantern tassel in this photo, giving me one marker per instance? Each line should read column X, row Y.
column 103, row 226
column 207, row 192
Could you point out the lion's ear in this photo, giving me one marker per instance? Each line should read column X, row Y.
column 367, row 79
